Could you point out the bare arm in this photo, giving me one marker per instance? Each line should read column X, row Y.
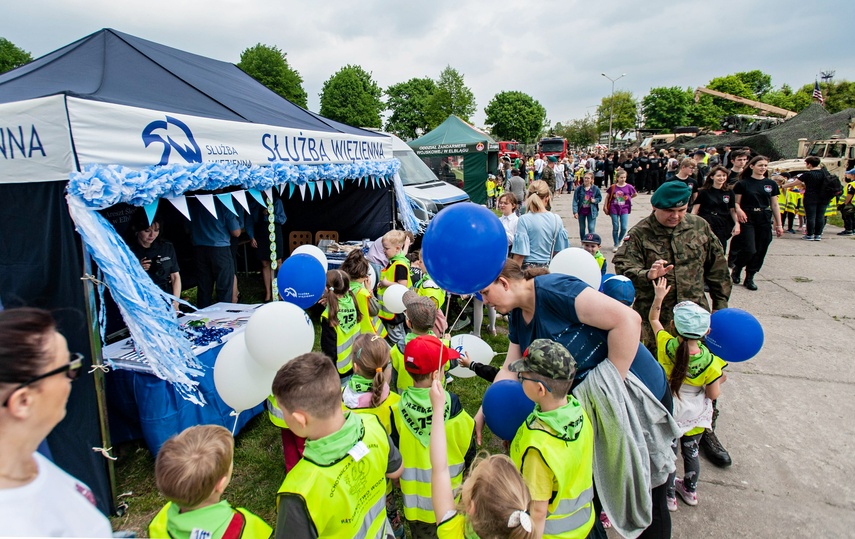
column 539, row 510
column 713, row 390
column 176, row 287
column 776, row 217
column 440, row 479
column 741, row 217
column 696, row 209
column 661, row 289
column 622, row 323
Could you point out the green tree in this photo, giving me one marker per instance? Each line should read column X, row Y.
column 838, row 95
column 666, row 108
column 757, row 82
column 515, row 116
column 731, row 84
column 785, row 98
column 452, row 96
column 352, row 97
column 269, row 66
column 706, row 114
column 408, row 103
column 12, row 56
column 624, row 112
column 580, row 133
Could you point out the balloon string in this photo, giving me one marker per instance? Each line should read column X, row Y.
column 234, row 427
column 451, row 327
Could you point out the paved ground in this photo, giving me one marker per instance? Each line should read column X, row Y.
column 788, row 415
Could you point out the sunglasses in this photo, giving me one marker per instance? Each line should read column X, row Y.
column 71, row 370
column 520, row 377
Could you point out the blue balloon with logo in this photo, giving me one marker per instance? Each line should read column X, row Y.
column 301, row 280
column 506, row 408
column 735, row 335
column 464, row 248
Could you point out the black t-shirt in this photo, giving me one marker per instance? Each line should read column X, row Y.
column 691, row 182
column 629, row 166
column 163, row 261
column 654, row 164
column 714, row 201
column 756, row 193
column 732, row 178
column 813, row 180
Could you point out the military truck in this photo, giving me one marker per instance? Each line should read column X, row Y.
column 837, row 154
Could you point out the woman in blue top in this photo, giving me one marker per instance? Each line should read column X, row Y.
column 540, row 233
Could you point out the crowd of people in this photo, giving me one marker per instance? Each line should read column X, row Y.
column 620, row 384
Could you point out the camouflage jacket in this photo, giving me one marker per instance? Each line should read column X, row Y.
column 697, row 256
column 549, row 177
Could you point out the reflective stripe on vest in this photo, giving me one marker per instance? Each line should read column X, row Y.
column 571, row 511
column 347, row 498
column 347, row 318
column 388, row 273
column 415, row 481
column 274, row 414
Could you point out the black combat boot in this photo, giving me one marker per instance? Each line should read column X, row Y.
column 736, row 275
column 712, row 448
column 749, row 282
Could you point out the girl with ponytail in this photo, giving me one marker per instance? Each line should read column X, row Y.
column 367, row 392
column 694, row 377
column 340, row 322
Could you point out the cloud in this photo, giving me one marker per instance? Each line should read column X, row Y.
column 553, row 50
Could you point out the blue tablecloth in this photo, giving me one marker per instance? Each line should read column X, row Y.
column 142, row 405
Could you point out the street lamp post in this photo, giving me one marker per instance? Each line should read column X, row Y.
column 612, row 105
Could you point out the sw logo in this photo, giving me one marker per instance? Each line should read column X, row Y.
column 178, row 137
column 289, row 293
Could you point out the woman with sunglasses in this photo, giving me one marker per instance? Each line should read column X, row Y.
column 37, row 498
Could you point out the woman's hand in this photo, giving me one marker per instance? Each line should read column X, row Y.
column 575, row 216
column 779, row 231
column 146, row 263
column 253, row 243
column 743, row 218
column 661, row 288
column 736, row 230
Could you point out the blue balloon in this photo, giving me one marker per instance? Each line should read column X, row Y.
column 301, row 280
column 605, row 278
column 735, row 335
column 465, row 248
column 506, row 408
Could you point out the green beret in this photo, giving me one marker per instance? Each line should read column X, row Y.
column 552, row 159
column 671, row 194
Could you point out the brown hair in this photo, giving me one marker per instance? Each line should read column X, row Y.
column 371, row 356
column 620, row 172
column 688, row 162
column 495, row 489
column 708, row 182
column 511, row 199
column 739, row 153
column 24, row 338
column 513, row 271
column 338, row 284
column 190, row 464
column 309, row 383
column 355, row 265
column 748, row 172
column 538, row 193
column 681, row 366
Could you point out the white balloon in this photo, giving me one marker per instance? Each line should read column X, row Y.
column 315, row 252
column 476, row 347
column 241, row 382
column 393, row 298
column 277, row 333
column 372, row 278
column 578, row 263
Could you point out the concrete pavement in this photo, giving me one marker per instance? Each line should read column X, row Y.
column 787, row 415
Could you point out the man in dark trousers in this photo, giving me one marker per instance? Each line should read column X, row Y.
column 212, row 251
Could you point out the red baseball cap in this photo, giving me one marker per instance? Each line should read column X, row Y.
column 426, row 354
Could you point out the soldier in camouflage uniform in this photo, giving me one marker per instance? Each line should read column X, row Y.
column 682, row 248
column 549, row 173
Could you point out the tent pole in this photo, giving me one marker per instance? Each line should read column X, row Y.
column 97, row 360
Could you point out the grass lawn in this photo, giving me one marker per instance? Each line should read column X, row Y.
column 258, row 465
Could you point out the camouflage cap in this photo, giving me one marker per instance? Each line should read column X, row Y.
column 546, row 358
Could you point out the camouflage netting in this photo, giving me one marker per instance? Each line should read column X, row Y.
column 781, row 142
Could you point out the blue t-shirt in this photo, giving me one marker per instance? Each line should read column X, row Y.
column 208, row 231
column 555, row 319
column 534, row 236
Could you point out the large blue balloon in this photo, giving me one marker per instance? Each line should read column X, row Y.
column 465, row 248
column 301, row 280
column 506, row 408
column 735, row 335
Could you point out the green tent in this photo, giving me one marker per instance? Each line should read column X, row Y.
column 459, row 154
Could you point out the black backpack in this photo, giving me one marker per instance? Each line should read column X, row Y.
column 831, row 186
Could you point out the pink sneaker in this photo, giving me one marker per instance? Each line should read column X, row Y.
column 672, row 503
column 691, row 498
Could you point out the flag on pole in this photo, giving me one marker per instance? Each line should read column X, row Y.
column 817, row 93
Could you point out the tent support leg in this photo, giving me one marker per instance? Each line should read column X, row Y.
column 97, row 360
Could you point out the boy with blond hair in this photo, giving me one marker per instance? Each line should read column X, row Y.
column 338, row 488
column 554, row 447
column 424, row 358
column 395, row 244
column 192, row 470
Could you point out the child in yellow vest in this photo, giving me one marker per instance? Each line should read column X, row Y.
column 554, row 447
column 694, row 377
column 491, row 190
column 425, row 357
column 395, row 244
column 192, row 470
column 338, row 488
column 340, row 323
column 356, row 266
column 367, row 392
column 420, row 319
column 591, row 243
column 494, row 498
column 846, row 208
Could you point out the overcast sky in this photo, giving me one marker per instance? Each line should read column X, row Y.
column 553, row 50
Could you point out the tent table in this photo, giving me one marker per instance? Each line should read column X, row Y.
column 141, row 405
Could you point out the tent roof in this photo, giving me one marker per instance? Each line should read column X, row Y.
column 452, row 131
column 115, row 67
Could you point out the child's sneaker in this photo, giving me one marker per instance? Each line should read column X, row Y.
column 672, row 503
column 691, row 498
column 604, row 520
